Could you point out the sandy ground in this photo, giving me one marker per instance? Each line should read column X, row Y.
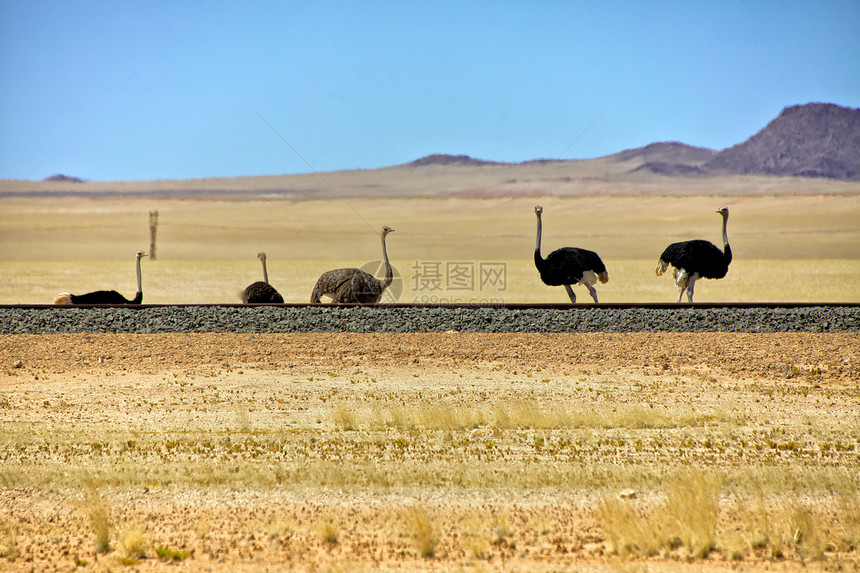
column 86, row 405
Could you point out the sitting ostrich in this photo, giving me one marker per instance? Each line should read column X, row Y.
column 105, row 296
column 261, row 291
column 354, row 285
column 569, row 265
column 696, row 259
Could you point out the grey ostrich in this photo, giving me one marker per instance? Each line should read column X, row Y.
column 354, row 285
column 569, row 266
column 261, row 291
column 105, row 296
column 696, row 259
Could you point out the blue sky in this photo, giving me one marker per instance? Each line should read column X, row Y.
column 160, row 90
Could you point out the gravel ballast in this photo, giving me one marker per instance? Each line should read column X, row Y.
column 258, row 319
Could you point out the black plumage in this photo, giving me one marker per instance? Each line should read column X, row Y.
column 696, row 259
column 569, row 266
column 261, row 292
column 105, row 296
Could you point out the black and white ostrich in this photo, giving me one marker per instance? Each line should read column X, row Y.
column 696, row 259
column 354, row 285
column 261, row 291
column 105, row 296
column 569, row 266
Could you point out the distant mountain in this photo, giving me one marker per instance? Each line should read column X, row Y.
column 812, row 140
column 670, row 158
column 64, row 178
column 667, row 152
column 445, row 159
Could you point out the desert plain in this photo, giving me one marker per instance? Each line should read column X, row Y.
column 429, row 452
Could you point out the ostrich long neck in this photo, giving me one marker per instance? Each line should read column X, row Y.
column 389, row 273
column 538, row 257
column 137, row 265
column 727, row 250
column 265, row 273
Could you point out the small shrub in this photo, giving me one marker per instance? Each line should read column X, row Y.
column 165, row 554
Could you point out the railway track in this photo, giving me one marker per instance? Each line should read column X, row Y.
column 510, row 317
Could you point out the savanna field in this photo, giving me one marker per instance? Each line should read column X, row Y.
column 432, row 452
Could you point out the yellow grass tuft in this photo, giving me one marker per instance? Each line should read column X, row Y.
column 422, row 532
column 327, row 531
column 134, row 543
column 8, row 541
column 344, row 418
column 692, row 508
column 98, row 512
column 687, row 518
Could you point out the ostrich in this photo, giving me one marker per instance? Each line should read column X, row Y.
column 696, row 259
column 261, row 291
column 569, row 265
column 105, row 296
column 354, row 285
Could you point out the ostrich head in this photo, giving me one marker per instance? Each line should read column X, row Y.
column 261, row 256
column 386, row 229
column 63, row 298
column 141, row 254
column 724, row 211
column 538, row 210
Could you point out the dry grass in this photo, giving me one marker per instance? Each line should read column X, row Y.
column 341, row 453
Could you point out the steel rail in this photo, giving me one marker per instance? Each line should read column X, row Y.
column 468, row 306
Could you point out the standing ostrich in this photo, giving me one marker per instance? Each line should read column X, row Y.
column 261, row 291
column 354, row 285
column 105, row 296
column 569, row 266
column 696, row 259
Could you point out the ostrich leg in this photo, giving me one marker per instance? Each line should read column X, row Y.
column 682, row 279
column 592, row 291
column 570, row 293
column 690, row 284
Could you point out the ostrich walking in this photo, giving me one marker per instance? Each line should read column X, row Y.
column 696, row 259
column 354, row 285
column 569, row 266
column 105, row 296
column 261, row 291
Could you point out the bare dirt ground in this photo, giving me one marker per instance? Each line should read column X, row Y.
column 443, row 452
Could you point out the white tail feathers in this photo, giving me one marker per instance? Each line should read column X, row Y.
column 661, row 267
column 63, row 298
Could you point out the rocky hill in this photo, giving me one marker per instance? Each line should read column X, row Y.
column 812, row 140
